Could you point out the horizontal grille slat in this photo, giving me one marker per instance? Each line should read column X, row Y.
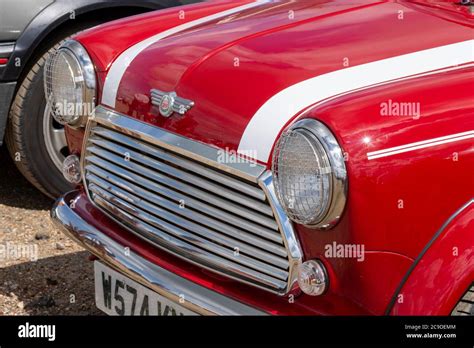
column 184, row 176
column 188, row 223
column 103, row 158
column 195, row 239
column 162, row 231
column 175, row 201
column 192, row 208
column 184, row 163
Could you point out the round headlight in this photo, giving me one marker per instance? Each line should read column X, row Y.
column 70, row 84
column 310, row 175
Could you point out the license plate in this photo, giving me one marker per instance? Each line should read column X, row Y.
column 115, row 294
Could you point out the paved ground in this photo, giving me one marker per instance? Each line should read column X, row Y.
column 41, row 271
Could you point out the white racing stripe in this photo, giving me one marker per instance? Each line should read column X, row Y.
column 420, row 145
column 264, row 127
column 120, row 65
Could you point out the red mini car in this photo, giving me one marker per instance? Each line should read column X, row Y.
column 260, row 157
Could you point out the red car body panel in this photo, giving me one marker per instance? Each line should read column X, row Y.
column 395, row 204
column 319, row 42
column 332, row 304
column 444, row 273
column 115, row 37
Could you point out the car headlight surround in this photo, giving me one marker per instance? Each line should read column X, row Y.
column 70, row 84
column 310, row 174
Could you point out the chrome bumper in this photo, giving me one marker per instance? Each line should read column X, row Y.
column 197, row 298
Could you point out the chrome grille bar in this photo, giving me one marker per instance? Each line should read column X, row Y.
column 181, row 248
column 180, row 174
column 174, row 193
column 173, row 214
column 199, row 237
column 183, row 163
column 137, row 170
column 96, row 174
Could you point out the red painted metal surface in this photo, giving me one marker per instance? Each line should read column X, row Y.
column 443, row 274
column 398, row 203
column 107, row 41
column 395, row 204
column 330, row 304
column 199, row 63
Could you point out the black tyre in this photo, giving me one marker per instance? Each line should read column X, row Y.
column 35, row 141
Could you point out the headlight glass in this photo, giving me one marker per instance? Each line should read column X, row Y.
column 70, row 84
column 310, row 175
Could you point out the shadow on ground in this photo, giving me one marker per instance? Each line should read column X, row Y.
column 58, row 285
column 15, row 190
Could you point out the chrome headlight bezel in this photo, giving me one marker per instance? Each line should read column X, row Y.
column 319, row 135
column 89, row 90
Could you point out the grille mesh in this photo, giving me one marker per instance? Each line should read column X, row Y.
column 301, row 170
column 195, row 211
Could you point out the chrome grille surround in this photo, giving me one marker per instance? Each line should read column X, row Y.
column 175, row 193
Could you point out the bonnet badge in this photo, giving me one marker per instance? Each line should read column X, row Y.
column 169, row 102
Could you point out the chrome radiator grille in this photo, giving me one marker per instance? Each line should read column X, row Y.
column 198, row 212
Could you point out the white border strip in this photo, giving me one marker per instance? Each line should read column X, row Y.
column 401, row 147
column 120, row 65
column 275, row 113
column 420, row 145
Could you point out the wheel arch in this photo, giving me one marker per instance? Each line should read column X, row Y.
column 442, row 272
column 48, row 25
column 58, row 17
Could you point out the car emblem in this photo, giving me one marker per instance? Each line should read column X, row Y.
column 169, row 102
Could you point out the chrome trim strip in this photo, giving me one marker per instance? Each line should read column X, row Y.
column 6, row 49
column 295, row 254
column 200, row 152
column 197, row 298
column 238, row 166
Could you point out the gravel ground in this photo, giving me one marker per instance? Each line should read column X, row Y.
column 42, row 272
